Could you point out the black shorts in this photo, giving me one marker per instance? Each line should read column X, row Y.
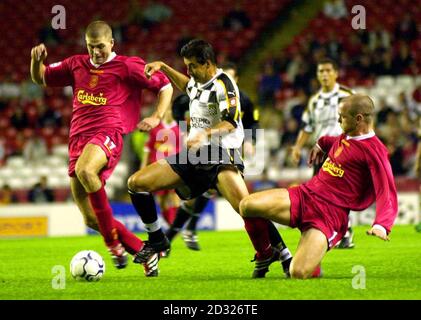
column 199, row 171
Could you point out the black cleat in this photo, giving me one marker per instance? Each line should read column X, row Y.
column 149, row 258
column 346, row 242
column 262, row 266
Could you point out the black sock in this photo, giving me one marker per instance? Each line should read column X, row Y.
column 275, row 237
column 144, row 203
column 180, row 219
column 277, row 241
column 199, row 205
column 193, row 222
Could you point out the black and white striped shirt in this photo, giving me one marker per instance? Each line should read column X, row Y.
column 321, row 115
column 210, row 103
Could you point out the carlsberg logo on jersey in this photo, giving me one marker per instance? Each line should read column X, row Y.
column 88, row 98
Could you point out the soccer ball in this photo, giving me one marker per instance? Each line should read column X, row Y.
column 87, row 265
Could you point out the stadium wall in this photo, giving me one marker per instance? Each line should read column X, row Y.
column 66, row 220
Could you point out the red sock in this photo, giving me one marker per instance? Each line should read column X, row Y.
column 104, row 214
column 130, row 242
column 169, row 214
column 257, row 229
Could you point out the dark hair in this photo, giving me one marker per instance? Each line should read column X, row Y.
column 199, row 49
column 328, row 61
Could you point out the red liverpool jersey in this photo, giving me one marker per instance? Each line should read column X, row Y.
column 164, row 140
column 356, row 173
column 104, row 96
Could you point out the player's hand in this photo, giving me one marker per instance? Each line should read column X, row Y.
column 316, row 156
column 249, row 149
column 378, row 233
column 148, row 123
column 295, row 155
column 195, row 142
column 152, row 67
column 39, row 53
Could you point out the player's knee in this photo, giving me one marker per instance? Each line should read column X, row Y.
column 244, row 207
column 299, row 271
column 85, row 175
column 138, row 184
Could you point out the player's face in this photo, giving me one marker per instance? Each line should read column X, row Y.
column 326, row 75
column 347, row 121
column 99, row 48
column 199, row 72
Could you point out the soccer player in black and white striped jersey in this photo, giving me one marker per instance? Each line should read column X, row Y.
column 321, row 119
column 216, row 132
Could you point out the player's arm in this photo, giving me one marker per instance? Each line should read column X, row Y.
column 38, row 55
column 386, row 196
column 303, row 135
column 164, row 102
column 177, row 78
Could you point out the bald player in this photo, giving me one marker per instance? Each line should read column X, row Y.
column 355, row 173
column 107, row 92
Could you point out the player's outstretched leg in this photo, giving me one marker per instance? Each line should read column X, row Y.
column 154, row 177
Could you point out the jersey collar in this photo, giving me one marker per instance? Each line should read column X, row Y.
column 110, row 57
column 218, row 72
column 326, row 95
column 362, row 137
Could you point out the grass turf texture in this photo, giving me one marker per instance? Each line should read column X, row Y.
column 220, row 271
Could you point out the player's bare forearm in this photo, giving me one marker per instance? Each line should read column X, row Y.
column 164, row 101
column 302, row 139
column 38, row 55
column 180, row 80
column 37, row 72
column 177, row 78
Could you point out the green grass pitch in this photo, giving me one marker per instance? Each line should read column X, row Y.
column 220, row 271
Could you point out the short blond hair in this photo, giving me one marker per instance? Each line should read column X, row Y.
column 98, row 29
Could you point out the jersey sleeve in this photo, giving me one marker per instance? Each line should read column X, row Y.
column 384, row 187
column 59, row 74
column 136, row 68
column 228, row 100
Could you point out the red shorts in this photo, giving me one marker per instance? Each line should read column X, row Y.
column 308, row 210
column 110, row 141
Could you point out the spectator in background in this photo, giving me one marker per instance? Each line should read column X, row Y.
column 40, row 193
column 236, row 19
column 335, row 9
column 155, row 13
column 49, row 35
column 270, row 82
column 6, row 195
column 406, row 29
column 19, row 120
column 35, row 150
column 2, row 151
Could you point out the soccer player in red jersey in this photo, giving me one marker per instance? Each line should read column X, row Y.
column 107, row 92
column 356, row 173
